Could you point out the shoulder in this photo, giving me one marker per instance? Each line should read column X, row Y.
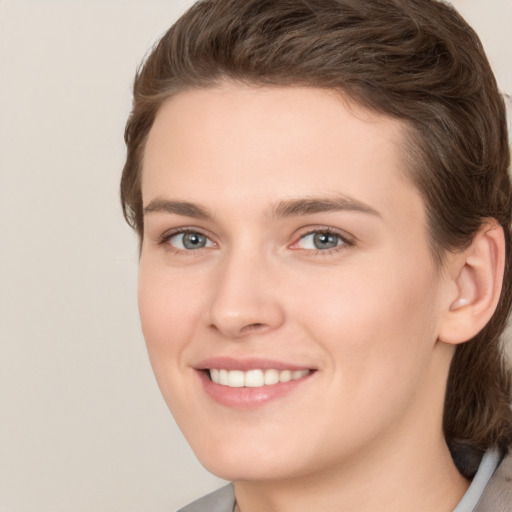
column 222, row 500
column 497, row 496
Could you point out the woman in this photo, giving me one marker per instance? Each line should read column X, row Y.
column 321, row 193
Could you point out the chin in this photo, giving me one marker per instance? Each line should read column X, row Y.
column 233, row 463
column 258, row 461
column 244, row 470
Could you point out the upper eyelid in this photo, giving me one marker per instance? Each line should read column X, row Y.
column 309, row 230
column 300, row 233
column 169, row 233
column 164, row 242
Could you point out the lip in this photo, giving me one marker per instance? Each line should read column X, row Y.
column 229, row 363
column 246, row 398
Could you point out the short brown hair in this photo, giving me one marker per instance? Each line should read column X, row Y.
column 415, row 60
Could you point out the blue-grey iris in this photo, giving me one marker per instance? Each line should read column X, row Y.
column 325, row 240
column 194, row 241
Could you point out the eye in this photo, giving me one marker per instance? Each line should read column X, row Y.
column 321, row 241
column 189, row 240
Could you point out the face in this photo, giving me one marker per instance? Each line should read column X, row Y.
column 287, row 293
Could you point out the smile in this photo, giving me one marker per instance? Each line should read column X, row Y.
column 254, row 378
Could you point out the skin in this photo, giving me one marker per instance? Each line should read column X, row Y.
column 364, row 431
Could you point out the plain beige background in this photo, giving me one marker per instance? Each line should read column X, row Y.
column 82, row 423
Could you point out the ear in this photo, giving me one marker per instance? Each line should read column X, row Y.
column 476, row 276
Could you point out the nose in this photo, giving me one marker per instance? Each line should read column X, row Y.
column 244, row 298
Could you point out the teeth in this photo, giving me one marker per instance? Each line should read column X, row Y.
column 236, row 379
column 285, row 376
column 254, row 378
column 224, row 377
column 214, row 374
column 271, row 377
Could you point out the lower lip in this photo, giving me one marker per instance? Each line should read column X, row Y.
column 248, row 398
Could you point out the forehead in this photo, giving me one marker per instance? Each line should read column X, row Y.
column 257, row 144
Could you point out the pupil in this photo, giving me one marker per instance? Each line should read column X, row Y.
column 325, row 241
column 194, row 241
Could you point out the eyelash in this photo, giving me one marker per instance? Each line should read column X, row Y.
column 167, row 235
column 345, row 241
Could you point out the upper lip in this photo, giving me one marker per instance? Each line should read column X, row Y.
column 246, row 364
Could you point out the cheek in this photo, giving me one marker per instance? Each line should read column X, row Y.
column 377, row 325
column 168, row 312
column 168, row 309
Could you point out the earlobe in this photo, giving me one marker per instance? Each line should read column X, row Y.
column 478, row 277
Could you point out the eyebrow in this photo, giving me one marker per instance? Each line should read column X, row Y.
column 184, row 208
column 310, row 206
column 285, row 208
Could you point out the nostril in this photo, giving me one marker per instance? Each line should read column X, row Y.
column 237, row 331
column 253, row 327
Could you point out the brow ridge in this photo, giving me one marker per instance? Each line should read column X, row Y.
column 185, row 208
column 282, row 209
column 310, row 206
